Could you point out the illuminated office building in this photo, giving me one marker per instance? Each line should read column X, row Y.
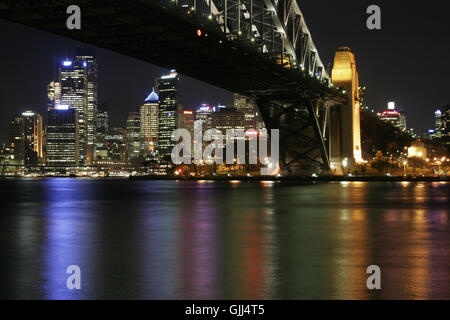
column 16, row 132
column 442, row 117
column 133, row 137
column 149, row 123
column 248, row 108
column 116, row 145
column 73, row 94
column 102, row 126
column 62, row 149
column 228, row 119
column 102, row 119
column 89, row 63
column 78, row 80
column 34, row 137
column 7, row 158
column 187, row 120
column 53, row 94
column 203, row 114
column 167, row 87
column 395, row 116
column 438, row 124
column 26, row 138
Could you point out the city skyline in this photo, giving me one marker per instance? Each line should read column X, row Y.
column 385, row 64
column 147, row 138
column 132, row 76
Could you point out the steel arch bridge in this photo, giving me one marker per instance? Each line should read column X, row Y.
column 259, row 48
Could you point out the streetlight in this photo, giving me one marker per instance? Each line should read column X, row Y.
column 404, row 168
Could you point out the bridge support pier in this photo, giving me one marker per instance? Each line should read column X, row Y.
column 302, row 146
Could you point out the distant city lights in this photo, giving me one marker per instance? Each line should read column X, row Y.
column 62, row 107
column 28, row 114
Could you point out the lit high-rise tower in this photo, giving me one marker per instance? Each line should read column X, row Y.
column 78, row 81
column 345, row 128
column 438, row 123
column 167, row 87
column 133, row 137
column 34, row 146
column 26, row 138
column 149, row 123
column 89, row 63
column 16, row 131
column 62, row 138
column 53, row 94
column 445, row 123
column 74, row 95
column 243, row 104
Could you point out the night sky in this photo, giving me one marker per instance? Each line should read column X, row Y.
column 407, row 62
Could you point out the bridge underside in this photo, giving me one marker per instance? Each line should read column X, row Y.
column 168, row 37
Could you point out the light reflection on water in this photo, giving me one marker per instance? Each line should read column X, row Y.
column 203, row 240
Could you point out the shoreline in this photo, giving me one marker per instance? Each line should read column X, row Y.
column 258, row 178
column 300, row 179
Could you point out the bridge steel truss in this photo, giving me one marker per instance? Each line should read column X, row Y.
column 276, row 27
column 258, row 48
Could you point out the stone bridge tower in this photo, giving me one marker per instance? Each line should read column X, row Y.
column 345, row 129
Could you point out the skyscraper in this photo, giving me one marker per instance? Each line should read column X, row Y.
column 34, row 145
column 245, row 105
column 89, row 63
column 26, row 138
column 62, row 137
column 167, row 87
column 73, row 94
column 149, row 123
column 53, row 94
column 445, row 118
column 116, row 145
column 133, row 137
column 438, row 124
column 102, row 126
column 395, row 116
column 203, row 114
column 229, row 119
column 187, row 120
column 16, row 131
column 78, row 80
column 102, row 118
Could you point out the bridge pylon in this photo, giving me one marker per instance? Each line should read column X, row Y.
column 345, row 127
column 303, row 150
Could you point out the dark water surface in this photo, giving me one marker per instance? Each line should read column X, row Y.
column 222, row 240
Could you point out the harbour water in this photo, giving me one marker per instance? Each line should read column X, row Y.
column 223, row 240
